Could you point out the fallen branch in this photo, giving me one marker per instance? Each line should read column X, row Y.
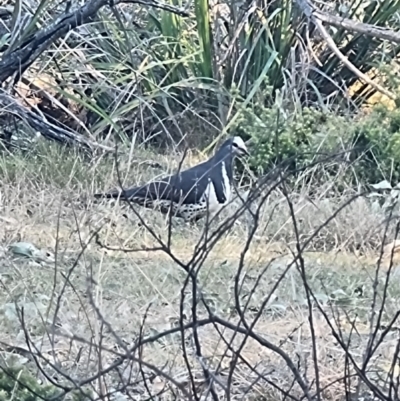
column 18, row 60
column 50, row 131
column 310, row 12
column 359, row 27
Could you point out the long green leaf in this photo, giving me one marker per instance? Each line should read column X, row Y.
column 204, row 30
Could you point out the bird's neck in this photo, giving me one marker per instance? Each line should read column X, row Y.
column 229, row 167
column 228, row 161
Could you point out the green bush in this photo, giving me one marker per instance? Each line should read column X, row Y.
column 300, row 136
column 18, row 384
column 295, row 136
column 377, row 143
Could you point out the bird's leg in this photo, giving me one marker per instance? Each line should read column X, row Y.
column 192, row 223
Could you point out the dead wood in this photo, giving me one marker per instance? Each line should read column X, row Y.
column 310, row 12
column 48, row 130
column 14, row 63
column 348, row 24
column 19, row 59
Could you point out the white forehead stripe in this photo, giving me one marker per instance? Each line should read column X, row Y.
column 239, row 142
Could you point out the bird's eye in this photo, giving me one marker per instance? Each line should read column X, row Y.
column 235, row 144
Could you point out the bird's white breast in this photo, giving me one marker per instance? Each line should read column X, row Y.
column 226, row 184
column 210, row 196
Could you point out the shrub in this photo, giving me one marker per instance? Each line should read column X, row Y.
column 377, row 138
column 289, row 134
column 19, row 384
column 300, row 136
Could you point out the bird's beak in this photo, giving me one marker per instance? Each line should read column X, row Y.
column 244, row 152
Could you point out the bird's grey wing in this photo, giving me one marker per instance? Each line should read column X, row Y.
column 192, row 184
column 202, row 176
column 186, row 187
column 155, row 190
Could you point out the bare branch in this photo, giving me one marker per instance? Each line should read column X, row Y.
column 310, row 12
column 359, row 27
column 24, row 55
column 48, row 130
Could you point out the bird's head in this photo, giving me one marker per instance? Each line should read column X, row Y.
column 233, row 146
column 238, row 146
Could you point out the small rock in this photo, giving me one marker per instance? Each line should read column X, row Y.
column 29, row 250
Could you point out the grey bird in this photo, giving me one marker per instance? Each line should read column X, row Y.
column 191, row 193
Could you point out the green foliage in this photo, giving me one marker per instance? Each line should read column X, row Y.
column 280, row 134
column 203, row 20
column 141, row 68
column 155, row 72
column 19, row 385
column 265, row 38
column 300, row 136
column 52, row 164
column 377, row 138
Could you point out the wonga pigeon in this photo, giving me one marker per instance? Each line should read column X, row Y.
column 207, row 186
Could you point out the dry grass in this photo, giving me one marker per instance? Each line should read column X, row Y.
column 46, row 200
